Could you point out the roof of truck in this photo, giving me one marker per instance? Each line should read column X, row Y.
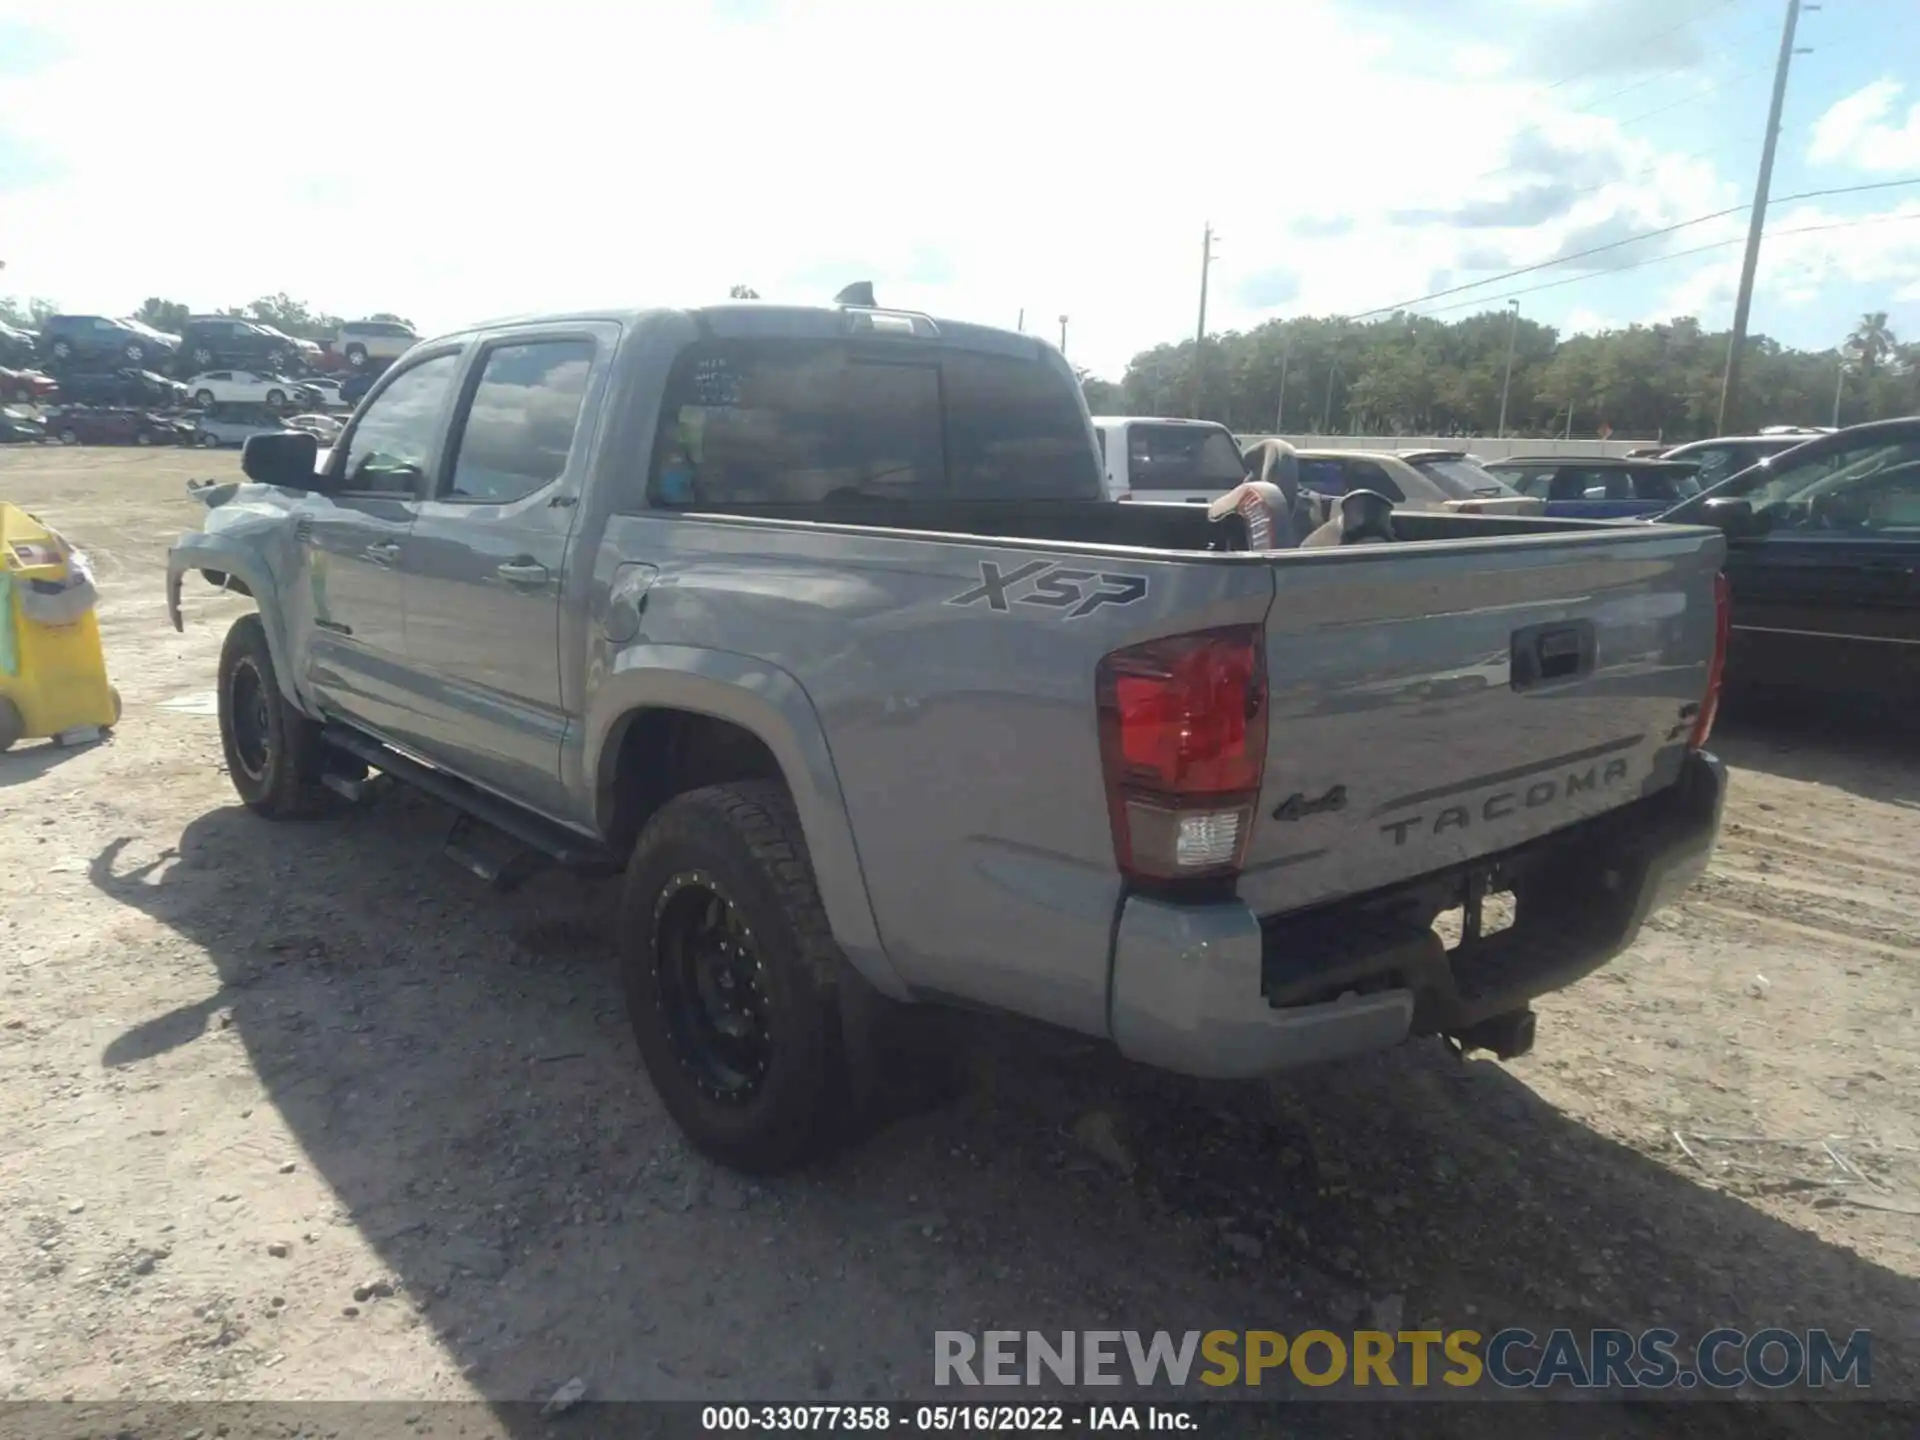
column 751, row 317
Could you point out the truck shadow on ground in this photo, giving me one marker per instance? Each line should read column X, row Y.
column 1869, row 753
column 457, row 1067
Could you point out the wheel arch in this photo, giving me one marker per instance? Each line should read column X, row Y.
column 673, row 718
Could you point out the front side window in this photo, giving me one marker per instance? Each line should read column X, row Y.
column 1868, row 489
column 519, row 425
column 388, row 451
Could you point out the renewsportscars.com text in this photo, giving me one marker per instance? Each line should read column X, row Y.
column 1511, row 1359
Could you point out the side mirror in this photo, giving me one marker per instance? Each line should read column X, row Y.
column 1730, row 515
column 284, row 458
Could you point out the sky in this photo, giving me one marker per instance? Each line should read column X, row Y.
column 981, row 160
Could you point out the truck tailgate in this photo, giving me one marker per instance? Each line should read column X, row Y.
column 1433, row 704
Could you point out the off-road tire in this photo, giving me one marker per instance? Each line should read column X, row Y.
column 746, row 837
column 285, row 783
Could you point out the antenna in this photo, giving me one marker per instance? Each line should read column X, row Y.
column 859, row 293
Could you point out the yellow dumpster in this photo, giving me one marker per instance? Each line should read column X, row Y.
column 53, row 678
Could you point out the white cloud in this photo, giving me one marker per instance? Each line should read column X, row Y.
column 1864, row 131
column 1807, row 254
column 456, row 162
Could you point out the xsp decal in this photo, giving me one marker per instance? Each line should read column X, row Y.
column 1053, row 587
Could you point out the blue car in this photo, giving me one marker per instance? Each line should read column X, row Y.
column 1599, row 487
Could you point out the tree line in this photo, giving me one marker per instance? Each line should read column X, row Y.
column 1416, row 375
column 282, row 311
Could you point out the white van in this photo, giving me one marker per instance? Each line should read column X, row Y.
column 1162, row 459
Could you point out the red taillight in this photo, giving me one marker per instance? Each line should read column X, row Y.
column 1717, row 666
column 1183, row 737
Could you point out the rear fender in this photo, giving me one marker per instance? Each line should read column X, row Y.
column 770, row 703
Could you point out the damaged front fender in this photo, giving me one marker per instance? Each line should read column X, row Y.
column 249, row 542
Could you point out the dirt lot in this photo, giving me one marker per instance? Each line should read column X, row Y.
column 304, row 1112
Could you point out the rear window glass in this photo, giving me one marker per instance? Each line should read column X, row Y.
column 1182, row 457
column 798, row 422
column 1461, row 479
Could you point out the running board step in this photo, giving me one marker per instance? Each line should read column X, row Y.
column 491, row 854
column 554, row 842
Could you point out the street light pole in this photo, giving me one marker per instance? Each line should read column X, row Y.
column 1506, row 383
column 1063, row 334
column 1280, row 411
column 1021, row 323
column 1756, row 225
column 1839, row 384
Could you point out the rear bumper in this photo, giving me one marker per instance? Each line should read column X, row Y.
column 1215, row 991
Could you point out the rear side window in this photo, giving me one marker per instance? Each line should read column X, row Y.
column 1182, row 457
column 799, row 422
column 519, row 425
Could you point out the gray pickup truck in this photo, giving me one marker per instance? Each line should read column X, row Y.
column 817, row 624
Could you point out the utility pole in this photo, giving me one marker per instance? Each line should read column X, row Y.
column 1021, row 323
column 1743, row 303
column 1200, row 331
column 1326, row 410
column 1506, row 384
column 1063, row 334
column 1839, row 384
column 1280, row 411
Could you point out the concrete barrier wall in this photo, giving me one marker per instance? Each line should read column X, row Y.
column 1485, row 448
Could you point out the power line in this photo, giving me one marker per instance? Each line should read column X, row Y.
column 1678, row 255
column 1649, row 39
column 1629, row 240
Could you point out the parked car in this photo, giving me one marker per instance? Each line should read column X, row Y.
column 821, row 687
column 365, row 341
column 244, row 386
column 1601, row 487
column 20, row 430
column 27, row 387
column 327, row 388
column 210, row 341
column 84, row 425
column 230, row 423
column 18, row 348
column 1728, row 455
column 1417, row 480
column 324, row 428
column 121, row 387
column 1823, row 558
column 67, row 338
column 1167, row 459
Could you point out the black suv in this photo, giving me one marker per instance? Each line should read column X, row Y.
column 121, row 387
column 67, row 338
column 224, row 340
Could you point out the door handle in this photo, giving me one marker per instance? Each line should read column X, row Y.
column 524, row 570
column 383, row 552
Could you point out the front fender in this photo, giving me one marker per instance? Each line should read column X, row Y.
column 250, row 549
column 767, row 701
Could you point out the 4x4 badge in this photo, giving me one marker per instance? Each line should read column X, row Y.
column 1297, row 806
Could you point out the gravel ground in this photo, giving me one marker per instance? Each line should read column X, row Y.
column 305, row 1113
